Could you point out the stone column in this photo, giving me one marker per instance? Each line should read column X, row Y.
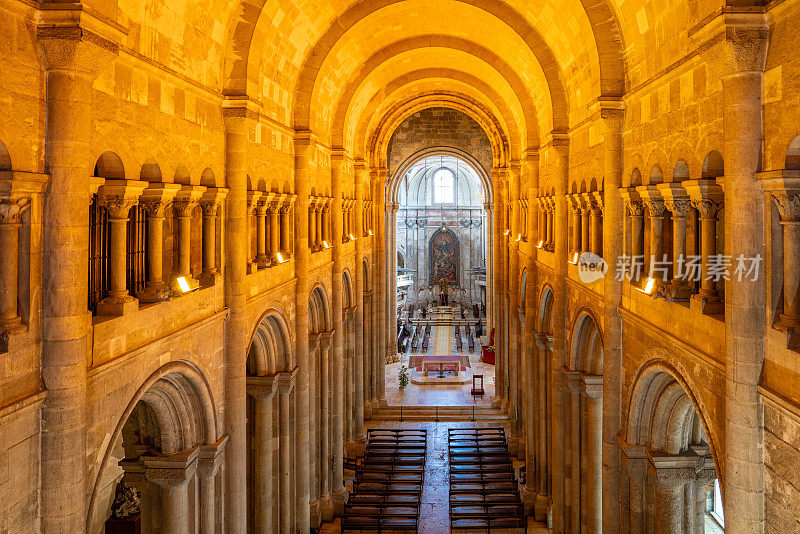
column 655, row 209
column 274, row 231
column 633, row 209
column 592, row 456
column 10, row 223
column 596, row 239
column 512, row 298
column 210, row 203
column 369, row 344
column 186, row 201
column 261, row 233
column 499, row 272
column 304, row 176
column 155, row 200
column 574, row 490
column 240, row 118
column 173, row 474
column 118, row 197
column 706, row 197
column 635, row 462
column 326, row 504
column 785, row 193
column 262, row 390
column 209, row 460
column 361, row 179
column 560, row 163
column 531, row 358
column 677, row 202
column 586, row 207
column 544, row 346
column 745, row 50
column 669, row 511
column 72, row 57
column 490, row 237
column 285, row 385
column 378, row 301
column 286, row 216
column 339, row 162
column 315, row 387
column 550, row 223
column 385, row 312
column 253, row 198
column 612, row 247
column 575, row 208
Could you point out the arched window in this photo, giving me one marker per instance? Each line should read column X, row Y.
column 443, row 186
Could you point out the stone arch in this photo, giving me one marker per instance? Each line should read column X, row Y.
column 348, row 291
column 270, row 345
column 151, row 172
column 681, row 171
column 713, row 165
column 109, row 165
column 207, row 178
column 396, row 179
column 182, row 175
column 320, row 310
column 636, row 178
column 177, row 393
column 545, row 316
column 586, row 347
column 656, row 175
column 5, row 158
column 792, row 160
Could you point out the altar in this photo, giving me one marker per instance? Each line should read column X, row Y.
column 443, row 363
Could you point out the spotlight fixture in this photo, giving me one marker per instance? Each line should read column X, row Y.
column 352, row 237
column 280, row 257
column 325, row 244
column 507, row 232
column 183, row 284
column 649, row 286
column 369, row 232
column 519, row 237
column 540, row 244
column 574, row 260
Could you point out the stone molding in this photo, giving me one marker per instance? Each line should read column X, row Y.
column 187, row 199
column 157, row 197
column 119, row 196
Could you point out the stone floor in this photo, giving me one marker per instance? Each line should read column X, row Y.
column 434, row 511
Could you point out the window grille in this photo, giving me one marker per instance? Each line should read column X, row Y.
column 136, row 266
column 98, row 254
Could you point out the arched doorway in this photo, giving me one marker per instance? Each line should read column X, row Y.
column 584, row 433
column 270, row 427
column 672, row 484
column 168, row 446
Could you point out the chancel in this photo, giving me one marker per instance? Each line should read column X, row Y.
column 297, row 266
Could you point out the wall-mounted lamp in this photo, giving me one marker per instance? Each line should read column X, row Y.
column 183, row 284
column 507, row 232
column 280, row 257
column 540, row 244
column 519, row 237
column 352, row 237
column 575, row 257
column 325, row 244
column 369, row 232
column 649, row 286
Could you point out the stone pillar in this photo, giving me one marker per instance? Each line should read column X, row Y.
column 499, row 272
column 378, row 302
column 361, row 179
column 318, row 226
column 262, row 389
column 286, row 216
column 315, row 387
column 655, row 210
column 240, row 118
column 304, row 176
column 512, row 298
column 560, row 164
column 10, row 222
column 253, row 198
column 531, row 357
column 261, row 233
column 173, row 474
column 186, row 201
column 72, row 57
column 118, row 197
column 209, row 460
column 544, row 344
column 677, row 202
column 155, row 200
column 274, row 231
column 385, row 312
column 550, row 222
column 612, row 247
column 745, row 50
column 586, row 207
column 596, row 239
column 573, row 523
column 210, row 203
column 490, row 237
column 287, row 510
column 635, row 462
column 592, row 455
column 339, row 162
column 324, row 438
column 575, row 208
column 706, row 197
column 669, row 511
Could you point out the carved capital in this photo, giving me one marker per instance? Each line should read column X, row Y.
column 11, row 210
column 118, row 207
column 788, row 204
column 678, row 208
column 184, row 207
column 746, row 42
column 708, row 208
column 636, row 207
column 155, row 207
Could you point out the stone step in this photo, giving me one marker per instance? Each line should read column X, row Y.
column 444, row 413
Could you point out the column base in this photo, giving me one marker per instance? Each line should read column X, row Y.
column 677, row 292
column 338, row 498
column 326, row 508
column 355, row 447
column 541, row 507
column 528, row 499
column 209, row 279
column 316, row 518
column 367, row 410
column 707, row 305
column 13, row 326
column 149, row 294
column 117, row 306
